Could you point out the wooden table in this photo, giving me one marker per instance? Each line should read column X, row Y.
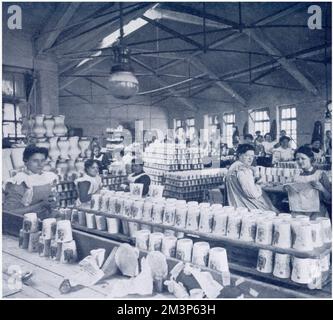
column 47, row 277
column 49, row 274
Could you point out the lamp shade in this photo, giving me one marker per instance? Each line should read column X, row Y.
column 123, row 84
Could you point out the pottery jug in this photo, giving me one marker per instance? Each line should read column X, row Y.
column 42, row 143
column 49, row 125
column 39, row 130
column 63, row 145
column 53, row 164
column 74, row 150
column 25, row 130
column 47, row 166
column 17, row 157
column 79, row 165
column 59, row 129
column 62, row 167
column 31, row 123
column 71, row 164
column 54, row 152
column 84, row 144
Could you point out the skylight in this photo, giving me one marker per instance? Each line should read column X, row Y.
column 129, row 28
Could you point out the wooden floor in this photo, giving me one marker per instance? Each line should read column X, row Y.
column 49, row 274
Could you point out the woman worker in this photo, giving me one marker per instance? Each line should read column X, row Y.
column 90, row 183
column 242, row 188
column 311, row 194
column 138, row 176
column 283, row 152
column 317, row 151
column 102, row 160
column 31, row 190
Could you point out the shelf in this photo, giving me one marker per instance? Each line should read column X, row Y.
column 105, row 234
column 316, row 253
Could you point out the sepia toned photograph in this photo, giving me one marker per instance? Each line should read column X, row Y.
column 166, row 151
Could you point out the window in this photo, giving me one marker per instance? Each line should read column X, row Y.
column 213, row 124
column 228, row 128
column 13, row 91
column 288, row 122
column 214, row 134
column 260, row 119
column 178, row 123
column 190, row 128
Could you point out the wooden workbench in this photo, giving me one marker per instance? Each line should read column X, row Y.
column 48, row 275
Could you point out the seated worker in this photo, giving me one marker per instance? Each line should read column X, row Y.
column 102, row 160
column 243, row 190
column 138, row 176
column 317, row 150
column 90, row 183
column 31, row 190
column 283, row 152
column 248, row 139
column 268, row 144
column 283, row 133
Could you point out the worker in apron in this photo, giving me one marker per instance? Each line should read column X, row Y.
column 311, row 192
column 32, row 189
column 138, row 176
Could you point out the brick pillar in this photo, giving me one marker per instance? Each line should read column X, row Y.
column 47, row 85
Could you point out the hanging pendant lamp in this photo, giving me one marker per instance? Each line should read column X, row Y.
column 123, row 84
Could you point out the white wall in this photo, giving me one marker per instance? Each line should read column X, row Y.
column 309, row 109
column 102, row 110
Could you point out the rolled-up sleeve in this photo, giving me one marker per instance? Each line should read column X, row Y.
column 246, row 180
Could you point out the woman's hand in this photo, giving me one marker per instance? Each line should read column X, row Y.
column 317, row 185
column 50, row 202
column 259, row 180
column 124, row 187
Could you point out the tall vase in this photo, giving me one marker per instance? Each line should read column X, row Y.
column 49, row 125
column 31, row 122
column 63, row 145
column 25, row 130
column 79, row 166
column 74, row 150
column 47, row 167
column 39, row 130
column 43, row 143
column 71, row 164
column 84, row 144
column 54, row 152
column 53, row 165
column 59, row 129
column 62, row 167
column 17, row 157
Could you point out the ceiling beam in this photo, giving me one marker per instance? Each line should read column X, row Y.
column 93, row 62
column 97, row 83
column 234, row 36
column 97, row 29
column 188, row 104
column 199, row 64
column 274, row 64
column 223, row 41
column 66, row 67
column 59, row 19
column 174, row 33
column 186, row 18
column 262, row 40
column 198, row 13
column 77, row 96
